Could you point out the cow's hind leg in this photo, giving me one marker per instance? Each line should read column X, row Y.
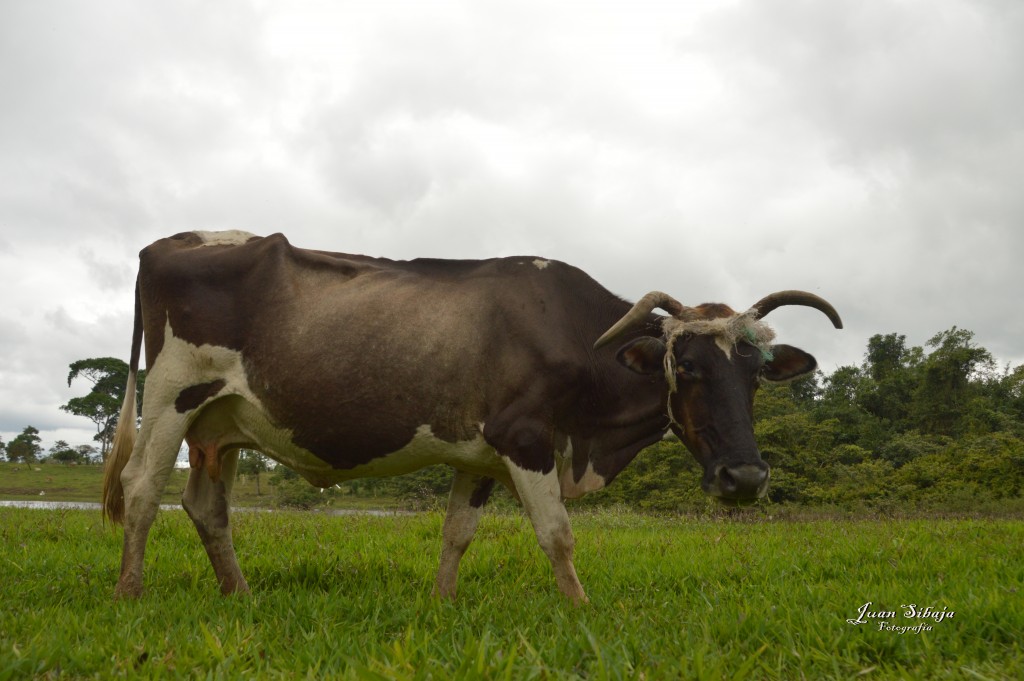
column 465, row 506
column 143, row 480
column 207, row 499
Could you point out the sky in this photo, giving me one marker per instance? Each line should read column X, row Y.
column 869, row 152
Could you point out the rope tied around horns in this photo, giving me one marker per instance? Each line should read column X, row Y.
column 728, row 330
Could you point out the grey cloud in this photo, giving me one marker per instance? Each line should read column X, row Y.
column 103, row 100
column 924, row 100
column 908, row 76
column 923, row 105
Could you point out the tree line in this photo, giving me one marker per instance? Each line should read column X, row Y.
column 935, row 426
column 25, row 448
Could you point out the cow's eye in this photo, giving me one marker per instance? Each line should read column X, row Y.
column 687, row 367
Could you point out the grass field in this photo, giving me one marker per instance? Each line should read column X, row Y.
column 349, row 597
column 57, row 482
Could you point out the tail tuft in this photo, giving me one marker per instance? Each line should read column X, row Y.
column 120, row 452
column 124, row 436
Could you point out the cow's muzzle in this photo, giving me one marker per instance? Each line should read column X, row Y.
column 738, row 482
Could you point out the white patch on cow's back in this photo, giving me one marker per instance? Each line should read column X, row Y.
column 540, row 263
column 230, row 237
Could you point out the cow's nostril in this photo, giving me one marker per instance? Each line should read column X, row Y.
column 726, row 481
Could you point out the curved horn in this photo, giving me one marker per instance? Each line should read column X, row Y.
column 638, row 313
column 780, row 298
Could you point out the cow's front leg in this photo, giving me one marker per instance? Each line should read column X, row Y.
column 542, row 498
column 207, row 499
column 465, row 506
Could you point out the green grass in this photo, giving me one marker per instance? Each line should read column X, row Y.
column 349, row 597
column 58, row 482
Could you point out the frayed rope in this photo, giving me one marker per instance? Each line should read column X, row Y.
column 730, row 330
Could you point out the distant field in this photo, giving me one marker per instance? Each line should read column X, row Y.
column 58, row 482
column 349, row 597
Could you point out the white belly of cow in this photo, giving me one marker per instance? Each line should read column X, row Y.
column 425, row 449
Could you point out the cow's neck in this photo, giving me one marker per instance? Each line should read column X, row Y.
column 620, row 413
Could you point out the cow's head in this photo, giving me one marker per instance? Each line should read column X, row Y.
column 713, row 360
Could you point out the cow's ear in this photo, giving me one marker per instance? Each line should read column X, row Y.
column 787, row 363
column 645, row 355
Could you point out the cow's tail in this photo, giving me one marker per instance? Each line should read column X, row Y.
column 124, row 436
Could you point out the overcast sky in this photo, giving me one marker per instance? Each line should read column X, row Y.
column 871, row 152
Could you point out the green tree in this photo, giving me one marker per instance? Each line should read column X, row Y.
column 292, row 491
column 88, row 454
column 892, row 370
column 25, row 447
column 664, row 476
column 842, row 399
column 423, row 489
column 804, row 390
column 61, row 452
column 102, row 405
column 1010, row 390
column 251, row 462
column 950, row 379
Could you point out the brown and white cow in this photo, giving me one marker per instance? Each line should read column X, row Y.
column 345, row 366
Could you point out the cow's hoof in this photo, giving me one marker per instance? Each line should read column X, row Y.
column 123, row 592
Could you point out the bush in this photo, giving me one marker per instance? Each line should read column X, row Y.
column 292, row 491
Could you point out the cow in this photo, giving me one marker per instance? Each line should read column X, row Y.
column 519, row 370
